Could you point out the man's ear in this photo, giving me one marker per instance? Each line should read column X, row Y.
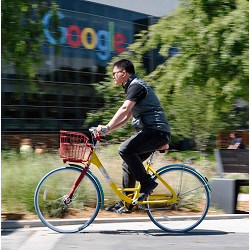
column 124, row 73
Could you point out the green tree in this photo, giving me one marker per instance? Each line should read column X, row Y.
column 22, row 34
column 199, row 86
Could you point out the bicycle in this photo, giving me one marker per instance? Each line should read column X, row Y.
column 178, row 204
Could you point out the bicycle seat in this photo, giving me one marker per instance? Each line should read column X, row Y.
column 163, row 148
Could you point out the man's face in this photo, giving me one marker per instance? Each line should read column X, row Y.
column 118, row 76
column 232, row 136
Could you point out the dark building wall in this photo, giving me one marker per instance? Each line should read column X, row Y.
column 91, row 34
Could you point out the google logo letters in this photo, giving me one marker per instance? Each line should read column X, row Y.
column 104, row 41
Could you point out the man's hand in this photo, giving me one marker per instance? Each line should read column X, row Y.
column 102, row 130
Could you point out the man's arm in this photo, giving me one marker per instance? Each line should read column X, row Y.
column 120, row 118
column 123, row 112
column 235, row 146
column 120, row 124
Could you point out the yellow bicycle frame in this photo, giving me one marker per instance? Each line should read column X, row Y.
column 153, row 199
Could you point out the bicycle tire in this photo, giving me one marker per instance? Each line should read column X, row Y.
column 190, row 210
column 52, row 210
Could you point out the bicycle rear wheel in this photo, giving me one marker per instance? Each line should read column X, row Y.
column 193, row 204
column 60, row 215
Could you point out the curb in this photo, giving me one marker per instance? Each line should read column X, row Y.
column 14, row 224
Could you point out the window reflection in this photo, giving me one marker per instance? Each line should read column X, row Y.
column 65, row 90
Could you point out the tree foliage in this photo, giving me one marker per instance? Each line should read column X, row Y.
column 199, row 86
column 22, row 34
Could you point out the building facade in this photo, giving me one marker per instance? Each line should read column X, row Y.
column 91, row 34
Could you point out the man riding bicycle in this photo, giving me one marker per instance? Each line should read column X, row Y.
column 149, row 121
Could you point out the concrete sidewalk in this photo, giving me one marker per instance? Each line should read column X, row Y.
column 14, row 224
column 210, row 234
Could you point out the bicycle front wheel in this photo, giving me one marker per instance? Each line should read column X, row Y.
column 191, row 207
column 67, row 216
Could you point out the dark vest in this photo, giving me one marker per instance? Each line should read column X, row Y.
column 148, row 112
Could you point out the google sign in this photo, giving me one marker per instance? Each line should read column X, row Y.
column 104, row 41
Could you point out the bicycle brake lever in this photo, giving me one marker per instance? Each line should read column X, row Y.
column 94, row 132
column 96, row 135
column 93, row 129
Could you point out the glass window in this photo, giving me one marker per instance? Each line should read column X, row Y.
column 85, row 78
column 84, row 101
column 50, row 124
column 68, row 101
column 83, row 112
column 11, row 98
column 51, row 100
column 67, row 74
column 33, row 99
column 69, row 113
column 99, row 77
column 12, row 112
column 32, row 124
column 68, row 125
column 33, row 112
column 11, row 124
column 52, row 112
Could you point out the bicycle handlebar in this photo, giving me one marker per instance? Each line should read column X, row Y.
column 95, row 134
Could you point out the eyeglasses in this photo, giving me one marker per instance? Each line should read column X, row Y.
column 117, row 72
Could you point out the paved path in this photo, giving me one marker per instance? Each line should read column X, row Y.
column 210, row 234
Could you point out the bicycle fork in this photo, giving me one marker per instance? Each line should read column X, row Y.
column 67, row 199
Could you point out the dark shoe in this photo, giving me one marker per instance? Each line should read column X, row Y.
column 115, row 207
column 147, row 190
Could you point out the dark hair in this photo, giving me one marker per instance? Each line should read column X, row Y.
column 126, row 65
column 234, row 133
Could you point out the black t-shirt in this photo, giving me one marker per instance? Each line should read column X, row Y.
column 136, row 92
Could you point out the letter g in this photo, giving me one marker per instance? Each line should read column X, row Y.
column 46, row 20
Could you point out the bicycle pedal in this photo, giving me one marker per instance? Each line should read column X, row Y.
column 142, row 197
column 123, row 210
column 135, row 202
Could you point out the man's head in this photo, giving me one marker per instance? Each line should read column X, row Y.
column 233, row 135
column 122, row 70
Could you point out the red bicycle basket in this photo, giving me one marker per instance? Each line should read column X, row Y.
column 73, row 146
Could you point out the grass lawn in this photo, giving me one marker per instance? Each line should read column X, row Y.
column 21, row 174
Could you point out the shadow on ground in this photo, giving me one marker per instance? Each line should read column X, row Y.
column 158, row 233
column 12, row 216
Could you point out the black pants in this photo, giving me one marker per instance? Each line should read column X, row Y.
column 137, row 149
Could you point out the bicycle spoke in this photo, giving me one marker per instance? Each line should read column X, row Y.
column 191, row 190
column 51, row 205
column 187, row 212
column 179, row 189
